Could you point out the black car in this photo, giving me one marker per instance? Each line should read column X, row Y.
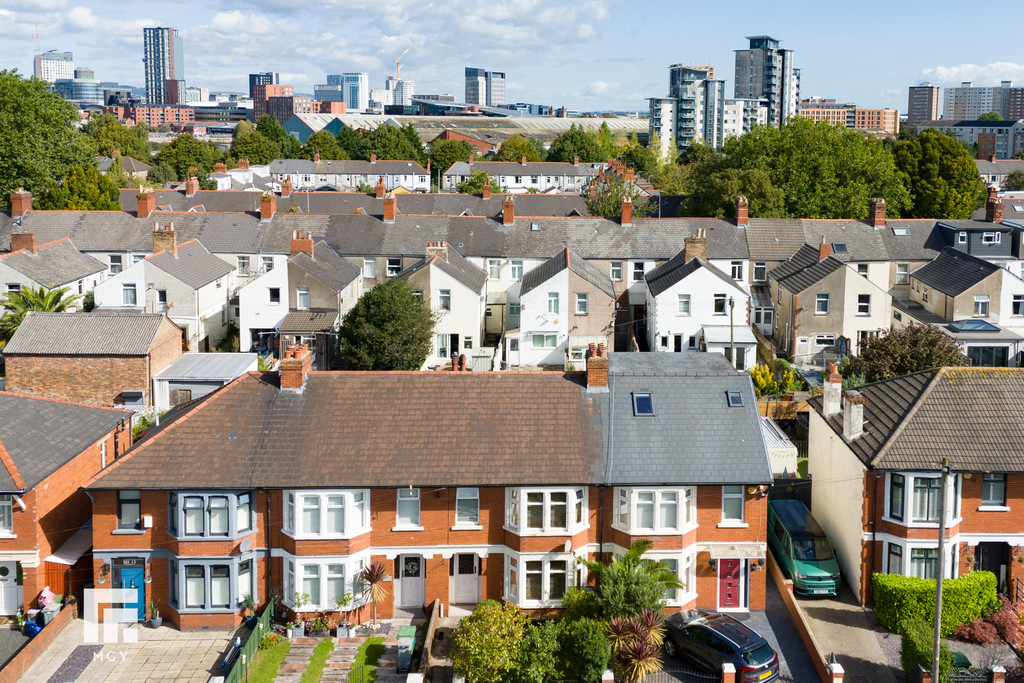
column 709, row 640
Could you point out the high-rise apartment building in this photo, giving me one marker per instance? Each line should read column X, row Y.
column 923, row 104
column 164, row 59
column 262, row 78
column 262, row 92
column 968, row 102
column 355, row 90
column 51, row 65
column 849, row 115
column 485, row 88
column 693, row 111
column 765, row 71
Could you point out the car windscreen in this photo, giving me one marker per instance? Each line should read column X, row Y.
column 814, row 550
column 758, row 656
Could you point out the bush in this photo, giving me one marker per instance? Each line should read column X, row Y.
column 1006, row 623
column 916, row 650
column 586, row 650
column 488, row 642
column 539, row 657
column 900, row 599
column 579, row 604
column 980, row 631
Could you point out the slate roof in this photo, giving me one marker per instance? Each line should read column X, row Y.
column 677, row 269
column 99, row 333
column 455, row 266
column 54, row 263
column 999, row 166
column 804, row 269
column 308, row 321
column 774, row 239
column 222, row 366
column 863, row 242
column 538, row 168
column 66, row 429
column 327, row 267
column 129, row 165
column 193, row 265
column 345, row 167
column 974, row 416
column 922, row 244
column 567, row 258
column 379, row 429
column 693, row 436
column 953, row 272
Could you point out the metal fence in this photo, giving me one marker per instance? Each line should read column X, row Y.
column 682, row 674
column 967, row 675
column 248, row 649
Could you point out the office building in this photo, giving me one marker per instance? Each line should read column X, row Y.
column 197, row 94
column 396, row 93
column 968, row 102
column 765, row 71
column 923, row 103
column 81, row 91
column 164, row 59
column 262, row 78
column 51, row 65
column 849, row 115
column 325, row 92
column 283, row 108
column 263, row 92
column 355, row 90
column 485, row 88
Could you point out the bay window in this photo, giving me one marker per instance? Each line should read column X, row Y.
column 6, row 514
column 324, row 580
column 896, row 492
column 195, row 586
column 537, row 511
column 545, row 579
column 924, row 562
column 326, row 514
column 205, row 515
column 927, row 492
column 219, row 584
column 894, row 560
column 311, row 582
column 654, row 511
column 218, row 516
column 915, row 499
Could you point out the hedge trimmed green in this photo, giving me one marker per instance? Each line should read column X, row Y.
column 916, row 649
column 900, row 599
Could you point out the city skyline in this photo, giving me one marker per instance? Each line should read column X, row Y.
column 595, row 54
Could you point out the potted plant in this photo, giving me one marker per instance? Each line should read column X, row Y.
column 297, row 626
column 21, row 620
column 320, row 626
column 249, row 610
column 295, row 629
column 155, row 620
column 344, row 607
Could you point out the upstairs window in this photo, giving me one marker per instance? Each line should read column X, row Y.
column 445, row 297
column 369, row 267
column 552, row 302
column 902, row 273
column 516, row 270
column 408, row 513
column 325, row 514
column 760, row 271
column 302, row 298
column 274, row 295
column 981, row 305
column 720, row 304
column 6, row 514
column 821, row 302
column 863, row 304
column 116, row 264
column 467, row 507
column 557, row 511
column 582, row 303
column 993, row 490
column 991, row 238
column 736, row 270
column 394, row 266
column 616, row 271
column 129, row 510
column 732, row 504
column 128, row 295
column 684, row 304
column 638, row 271
column 242, row 265
column 494, row 269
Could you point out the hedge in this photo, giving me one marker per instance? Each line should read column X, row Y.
column 900, row 599
column 916, row 650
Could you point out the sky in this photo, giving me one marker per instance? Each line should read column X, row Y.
column 583, row 54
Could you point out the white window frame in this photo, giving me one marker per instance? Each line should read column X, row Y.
column 515, row 309
column 736, row 270
column 394, row 266
column 626, row 506
column 516, row 511
column 299, row 292
column 732, row 492
column 824, row 340
column 553, row 303
column 404, row 495
column 463, row 496
column 988, row 481
column 684, row 305
column 616, row 271
column 991, row 238
column 515, row 270
column 863, row 307
column 760, row 271
column 902, row 273
column 819, row 300
column 685, row 571
column 550, row 341
column 1017, row 305
column 582, row 303
column 370, row 267
column 243, row 266
column 444, row 298
column 356, row 513
column 7, row 515
column 953, row 500
column 639, row 270
column 516, row 575
column 981, row 305
column 720, row 301
column 126, row 288
column 909, row 546
column 493, row 269
column 295, row 571
column 116, row 264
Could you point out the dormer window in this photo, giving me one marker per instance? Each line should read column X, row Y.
column 961, row 238
column 643, row 404
column 991, row 238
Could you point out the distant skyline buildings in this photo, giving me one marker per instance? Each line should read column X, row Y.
column 262, row 78
column 355, row 89
column 164, row 61
column 764, row 71
column 923, row 103
column 968, row 102
column 485, row 88
column 51, row 65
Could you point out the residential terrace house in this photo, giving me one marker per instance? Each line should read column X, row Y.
column 661, row 446
column 48, row 266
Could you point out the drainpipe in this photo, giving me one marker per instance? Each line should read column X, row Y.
column 266, row 526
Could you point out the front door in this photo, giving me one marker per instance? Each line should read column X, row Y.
column 466, row 568
column 132, row 578
column 413, row 581
column 10, row 591
column 678, row 343
column 729, row 585
column 995, row 558
column 454, row 345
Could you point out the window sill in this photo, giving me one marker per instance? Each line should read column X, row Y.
column 993, row 508
column 733, row 525
column 407, row 528
column 7, row 534
column 128, row 532
column 467, row 527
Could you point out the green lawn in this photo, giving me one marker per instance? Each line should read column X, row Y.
column 317, row 661
column 367, row 655
column 266, row 662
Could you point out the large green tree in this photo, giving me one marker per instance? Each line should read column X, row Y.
column 288, row 145
column 607, row 200
column 444, row 153
column 184, row 152
column 389, row 328
column 641, row 159
column 106, row 134
column 257, row 148
column 488, row 643
column 821, row 170
column 83, row 189
column 943, row 178
column 914, row 348
column 576, row 142
column 1014, row 181
column 325, row 144
column 356, row 143
column 38, row 140
column 389, row 142
column 32, row 299
column 474, row 184
column 517, row 147
column 990, row 116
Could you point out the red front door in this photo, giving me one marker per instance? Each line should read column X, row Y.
column 729, row 584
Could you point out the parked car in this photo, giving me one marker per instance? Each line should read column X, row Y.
column 708, row 640
column 802, row 549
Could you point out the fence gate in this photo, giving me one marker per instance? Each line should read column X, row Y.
column 682, row 674
column 968, row 675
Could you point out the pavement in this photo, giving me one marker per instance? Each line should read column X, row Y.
column 163, row 654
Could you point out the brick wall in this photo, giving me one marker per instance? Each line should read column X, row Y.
column 98, row 380
column 33, row 649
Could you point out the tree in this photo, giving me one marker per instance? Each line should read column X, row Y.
column 576, row 142
column 444, row 153
column 38, row 141
column 257, row 148
column 517, row 147
column 410, row 134
column 356, row 143
column 474, row 184
column 324, row 143
column 641, row 159
column 607, row 201
column 373, row 578
column 912, row 349
column 488, row 643
column 943, row 177
column 184, row 152
column 636, row 644
column 389, row 142
column 119, row 177
column 1014, row 181
column 287, row 144
column 106, row 133
column 990, row 116
column 32, row 299
column 539, row 653
column 586, row 649
column 631, row 585
column 715, row 194
column 606, row 142
column 389, row 328
column 84, row 189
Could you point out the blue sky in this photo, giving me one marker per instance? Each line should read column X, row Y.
column 584, row 54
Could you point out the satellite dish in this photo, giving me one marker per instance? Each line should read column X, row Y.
column 245, row 544
column 568, row 545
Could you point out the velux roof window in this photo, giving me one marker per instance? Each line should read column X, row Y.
column 643, row 404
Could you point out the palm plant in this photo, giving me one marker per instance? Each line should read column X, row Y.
column 636, row 644
column 37, row 299
column 373, row 585
column 631, row 584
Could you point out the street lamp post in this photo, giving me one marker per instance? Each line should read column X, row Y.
column 940, row 571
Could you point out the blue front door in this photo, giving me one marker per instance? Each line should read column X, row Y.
column 132, row 578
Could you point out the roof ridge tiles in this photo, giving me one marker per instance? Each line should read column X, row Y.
column 12, row 469
column 62, row 401
column 905, row 418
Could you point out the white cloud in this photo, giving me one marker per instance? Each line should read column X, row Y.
column 601, row 88
column 980, row 75
column 585, row 31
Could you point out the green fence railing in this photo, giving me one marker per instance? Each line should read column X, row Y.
column 248, row 649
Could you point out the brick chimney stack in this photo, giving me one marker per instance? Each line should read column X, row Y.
column 295, row 365
column 695, row 247
column 243, row 164
column 486, row 192
column 147, row 203
column 853, row 415
column 597, row 368
column 508, row 211
column 165, row 239
column 379, row 191
column 220, row 167
column 832, row 395
column 824, row 249
column 373, row 157
column 876, row 209
column 390, row 208
column 992, row 157
column 993, row 207
column 628, row 175
column 742, row 211
column 286, row 187
column 437, row 249
column 523, row 161
column 115, row 153
column 191, row 186
column 300, row 244
column 21, row 202
column 25, row 241
column 268, row 205
column 576, row 161
column 316, row 157
column 626, row 219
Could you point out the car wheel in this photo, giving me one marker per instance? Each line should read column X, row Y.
column 670, row 648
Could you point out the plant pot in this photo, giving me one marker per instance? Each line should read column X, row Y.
column 250, row 622
column 156, row 622
column 343, row 632
column 297, row 632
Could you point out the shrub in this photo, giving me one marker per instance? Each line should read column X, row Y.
column 488, row 642
column 270, row 640
column 586, row 650
column 1006, row 623
column 916, row 650
column 539, row 656
column 580, row 604
column 980, row 631
column 908, row 598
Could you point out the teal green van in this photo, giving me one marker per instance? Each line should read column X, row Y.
column 801, row 549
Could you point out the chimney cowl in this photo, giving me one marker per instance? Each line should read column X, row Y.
column 597, row 368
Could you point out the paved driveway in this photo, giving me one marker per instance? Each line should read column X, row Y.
column 775, row 624
column 841, row 625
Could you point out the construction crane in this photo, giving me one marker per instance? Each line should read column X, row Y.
column 35, row 39
column 398, row 65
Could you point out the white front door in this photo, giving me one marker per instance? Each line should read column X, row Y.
column 413, row 581
column 10, row 591
column 466, row 576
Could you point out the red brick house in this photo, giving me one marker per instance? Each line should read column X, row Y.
column 48, row 449
column 875, row 463
column 467, row 486
column 101, row 358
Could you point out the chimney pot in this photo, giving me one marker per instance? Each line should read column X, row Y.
column 824, row 249
column 165, row 239
column 487, row 188
column 295, row 365
column 742, row 211
column 597, row 372
column 191, row 186
column 21, row 202
column 300, row 245
column 25, row 241
column 243, row 164
column 455, row 364
column 627, row 212
column 575, row 161
column 316, row 157
column 523, row 162
column 379, row 189
column 462, row 363
column 373, row 158
column 286, row 187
